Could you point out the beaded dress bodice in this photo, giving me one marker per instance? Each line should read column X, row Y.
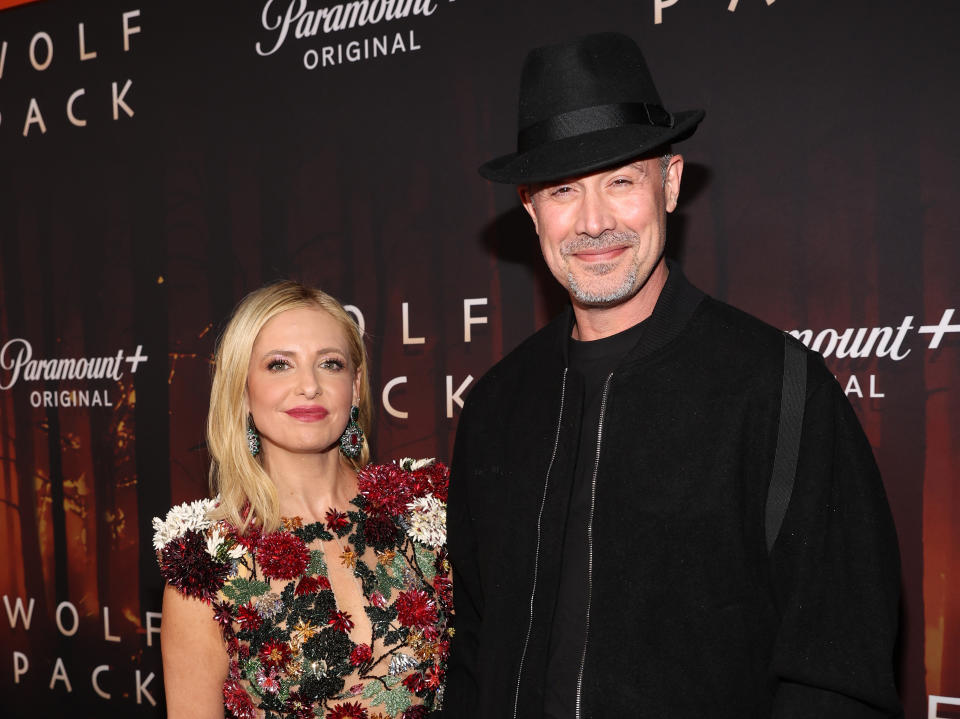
column 287, row 602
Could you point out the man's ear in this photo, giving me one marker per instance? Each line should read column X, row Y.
column 671, row 185
column 526, row 199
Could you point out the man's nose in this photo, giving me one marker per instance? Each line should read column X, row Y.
column 595, row 215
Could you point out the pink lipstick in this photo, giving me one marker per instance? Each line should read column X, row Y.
column 308, row 413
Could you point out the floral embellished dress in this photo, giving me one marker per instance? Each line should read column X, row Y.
column 293, row 650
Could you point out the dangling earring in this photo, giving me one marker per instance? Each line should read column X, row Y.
column 351, row 441
column 253, row 437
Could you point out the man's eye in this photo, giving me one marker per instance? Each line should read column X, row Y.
column 562, row 190
column 622, row 181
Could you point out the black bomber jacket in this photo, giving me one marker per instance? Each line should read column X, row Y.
column 689, row 615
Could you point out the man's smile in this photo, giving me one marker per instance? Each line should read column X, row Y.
column 602, row 254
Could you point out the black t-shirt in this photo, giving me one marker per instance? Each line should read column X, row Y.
column 594, row 361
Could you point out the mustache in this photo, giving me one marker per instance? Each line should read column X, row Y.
column 604, row 240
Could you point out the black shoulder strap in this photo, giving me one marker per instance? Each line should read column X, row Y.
column 792, row 400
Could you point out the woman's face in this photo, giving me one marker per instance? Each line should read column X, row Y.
column 301, row 382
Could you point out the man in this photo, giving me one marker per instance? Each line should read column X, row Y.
column 609, row 488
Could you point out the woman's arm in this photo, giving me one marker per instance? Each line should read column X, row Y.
column 195, row 661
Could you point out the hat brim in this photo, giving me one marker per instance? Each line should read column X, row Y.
column 588, row 152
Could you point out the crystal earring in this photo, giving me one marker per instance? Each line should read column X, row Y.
column 253, row 437
column 351, row 441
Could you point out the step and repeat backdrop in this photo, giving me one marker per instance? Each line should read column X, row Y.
column 158, row 160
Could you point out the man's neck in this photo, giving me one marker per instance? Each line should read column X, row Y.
column 594, row 323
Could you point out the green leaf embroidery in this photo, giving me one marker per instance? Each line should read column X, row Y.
column 317, row 565
column 397, row 700
column 357, row 538
column 396, row 636
column 374, row 690
column 241, row 590
column 425, row 560
column 385, row 582
column 251, row 671
column 399, row 567
column 380, row 619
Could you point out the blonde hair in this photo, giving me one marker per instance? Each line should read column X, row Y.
column 247, row 494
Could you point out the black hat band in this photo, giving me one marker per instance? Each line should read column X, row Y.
column 592, row 119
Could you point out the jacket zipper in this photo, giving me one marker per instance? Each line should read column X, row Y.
column 593, row 502
column 536, row 556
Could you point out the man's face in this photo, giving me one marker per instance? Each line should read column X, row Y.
column 603, row 234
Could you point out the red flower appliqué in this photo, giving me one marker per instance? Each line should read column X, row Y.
column 347, row 710
column 282, row 556
column 307, row 585
column 361, row 654
column 337, row 520
column 379, row 530
column 250, row 539
column 233, row 644
column 274, row 653
column 340, row 621
column 235, row 699
column 386, row 487
column 221, row 613
column 298, row 706
column 268, row 680
column 389, row 488
column 444, row 588
column 416, row 609
column 418, row 711
column 434, row 678
column 186, row 565
column 436, row 479
column 414, row 682
column 248, row 617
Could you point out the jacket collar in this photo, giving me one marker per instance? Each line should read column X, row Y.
column 675, row 306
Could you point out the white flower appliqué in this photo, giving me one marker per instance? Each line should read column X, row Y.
column 428, row 521
column 412, row 465
column 220, row 547
column 182, row 519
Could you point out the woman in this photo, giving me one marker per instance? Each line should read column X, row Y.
column 309, row 586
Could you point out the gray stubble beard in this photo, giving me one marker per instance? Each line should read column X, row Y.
column 623, row 291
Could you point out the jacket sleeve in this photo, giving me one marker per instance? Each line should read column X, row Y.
column 836, row 573
column 460, row 698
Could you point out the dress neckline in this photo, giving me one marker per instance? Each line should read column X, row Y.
column 291, row 524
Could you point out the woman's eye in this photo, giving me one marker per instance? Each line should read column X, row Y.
column 277, row 364
column 332, row 364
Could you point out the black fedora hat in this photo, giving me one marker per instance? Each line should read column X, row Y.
column 587, row 104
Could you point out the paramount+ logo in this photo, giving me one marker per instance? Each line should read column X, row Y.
column 886, row 342
column 18, row 364
column 292, row 21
